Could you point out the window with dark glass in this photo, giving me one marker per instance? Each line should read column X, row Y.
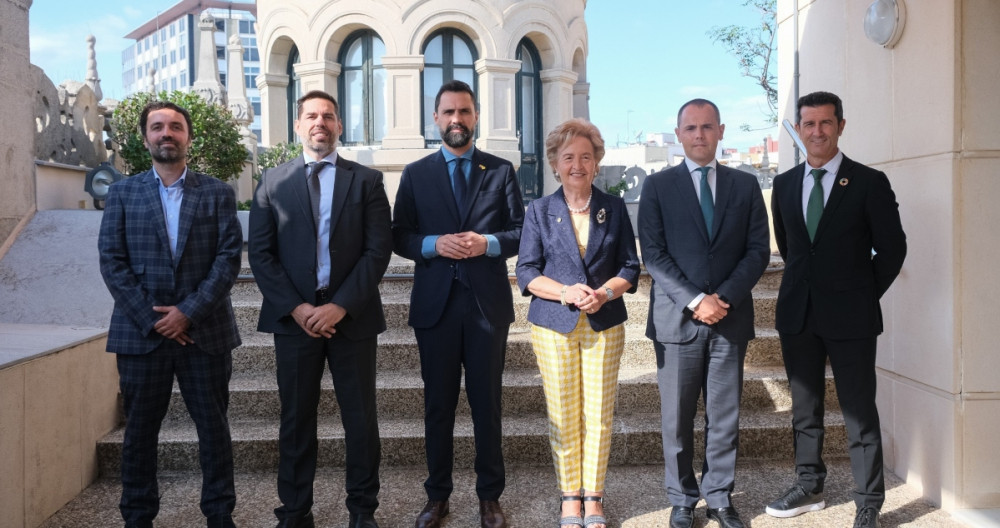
column 294, row 92
column 362, row 89
column 448, row 55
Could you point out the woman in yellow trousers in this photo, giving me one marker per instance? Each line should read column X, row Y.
column 577, row 258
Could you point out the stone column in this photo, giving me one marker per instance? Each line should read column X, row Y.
column 17, row 202
column 581, row 100
column 402, row 92
column 274, row 124
column 558, row 88
column 498, row 107
column 242, row 111
column 319, row 75
column 207, row 83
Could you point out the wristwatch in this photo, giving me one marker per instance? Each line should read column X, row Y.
column 610, row 293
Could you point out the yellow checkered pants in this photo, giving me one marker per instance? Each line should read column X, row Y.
column 580, row 378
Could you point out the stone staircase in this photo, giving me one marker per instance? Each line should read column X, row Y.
column 254, row 405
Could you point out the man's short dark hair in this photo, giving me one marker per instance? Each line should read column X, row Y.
column 820, row 99
column 453, row 86
column 699, row 102
column 153, row 106
column 315, row 94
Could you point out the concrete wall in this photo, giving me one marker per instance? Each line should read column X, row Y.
column 59, row 186
column 925, row 112
column 16, row 152
column 48, row 437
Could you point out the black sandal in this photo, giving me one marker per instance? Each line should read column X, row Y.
column 570, row 520
column 592, row 520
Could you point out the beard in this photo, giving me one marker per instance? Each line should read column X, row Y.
column 162, row 154
column 456, row 136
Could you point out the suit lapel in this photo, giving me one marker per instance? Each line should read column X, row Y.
column 477, row 173
column 836, row 196
column 341, row 185
column 723, row 191
column 300, row 190
column 689, row 198
column 151, row 196
column 439, row 179
column 598, row 229
column 189, row 204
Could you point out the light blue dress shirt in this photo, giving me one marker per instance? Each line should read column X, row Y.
column 171, row 198
column 327, row 177
column 427, row 248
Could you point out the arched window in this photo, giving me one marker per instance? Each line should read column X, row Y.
column 294, row 91
column 362, row 89
column 529, row 121
column 448, row 55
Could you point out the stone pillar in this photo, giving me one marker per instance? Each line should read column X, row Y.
column 557, row 106
column 319, row 75
column 274, row 125
column 581, row 100
column 402, row 91
column 498, row 107
column 242, row 111
column 93, row 81
column 17, row 201
column 207, row 83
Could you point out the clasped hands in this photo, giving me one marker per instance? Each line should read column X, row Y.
column 319, row 321
column 461, row 245
column 584, row 298
column 711, row 309
column 173, row 324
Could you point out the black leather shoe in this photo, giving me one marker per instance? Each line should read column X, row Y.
column 221, row 521
column 726, row 517
column 681, row 517
column 306, row 521
column 867, row 517
column 491, row 515
column 431, row 515
column 362, row 520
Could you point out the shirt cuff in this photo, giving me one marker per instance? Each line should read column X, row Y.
column 492, row 246
column 694, row 304
column 427, row 248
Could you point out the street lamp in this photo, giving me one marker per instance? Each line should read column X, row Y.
column 99, row 181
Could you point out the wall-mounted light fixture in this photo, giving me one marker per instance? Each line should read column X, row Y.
column 99, row 181
column 884, row 22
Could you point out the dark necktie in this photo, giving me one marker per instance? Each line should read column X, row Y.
column 707, row 204
column 312, row 176
column 461, row 187
column 814, row 208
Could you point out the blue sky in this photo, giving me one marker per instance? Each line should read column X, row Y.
column 647, row 56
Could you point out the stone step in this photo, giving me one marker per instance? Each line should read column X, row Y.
column 397, row 310
column 636, row 440
column 397, row 350
column 400, row 394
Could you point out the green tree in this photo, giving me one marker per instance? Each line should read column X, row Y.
column 276, row 155
column 215, row 147
column 754, row 48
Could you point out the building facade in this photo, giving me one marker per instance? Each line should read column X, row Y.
column 165, row 54
column 384, row 61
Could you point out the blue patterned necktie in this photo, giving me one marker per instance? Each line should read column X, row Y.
column 461, row 186
column 814, row 208
column 312, row 176
column 707, row 204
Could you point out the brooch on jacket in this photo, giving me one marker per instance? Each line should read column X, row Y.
column 843, row 182
column 602, row 215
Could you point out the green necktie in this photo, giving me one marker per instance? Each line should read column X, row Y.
column 707, row 204
column 814, row 208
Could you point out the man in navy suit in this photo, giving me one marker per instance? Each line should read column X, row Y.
column 704, row 239
column 319, row 244
column 458, row 216
column 170, row 248
column 837, row 225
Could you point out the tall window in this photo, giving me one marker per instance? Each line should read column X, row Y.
column 294, row 91
column 448, row 55
column 529, row 121
column 362, row 89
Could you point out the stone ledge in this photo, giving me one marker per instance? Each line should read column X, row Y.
column 24, row 342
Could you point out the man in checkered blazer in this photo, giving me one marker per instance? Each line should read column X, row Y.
column 170, row 247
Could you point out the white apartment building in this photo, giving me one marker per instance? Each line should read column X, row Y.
column 165, row 50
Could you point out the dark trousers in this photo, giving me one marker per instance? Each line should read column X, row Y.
column 853, row 364
column 146, row 383
column 463, row 338
column 301, row 363
column 709, row 366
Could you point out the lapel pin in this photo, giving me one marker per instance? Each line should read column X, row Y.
column 602, row 215
column 558, row 219
column 482, row 167
column 843, row 182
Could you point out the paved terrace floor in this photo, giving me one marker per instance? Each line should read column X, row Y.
column 634, row 500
